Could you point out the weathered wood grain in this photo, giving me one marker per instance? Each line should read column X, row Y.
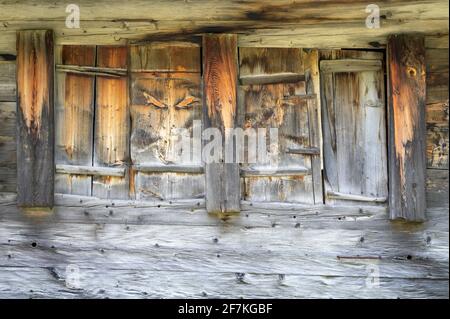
column 407, row 127
column 90, row 170
column 112, row 124
column 91, row 70
column 74, row 119
column 312, row 82
column 285, row 23
column 220, row 73
column 145, row 248
column 166, row 113
column 437, row 108
column 35, row 124
column 285, row 106
column 8, row 146
column 353, row 122
column 349, row 65
column 7, row 81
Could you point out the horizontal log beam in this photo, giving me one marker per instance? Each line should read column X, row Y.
column 90, row 170
column 349, row 65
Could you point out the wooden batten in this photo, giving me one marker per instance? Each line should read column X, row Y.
column 406, row 127
column 220, row 77
column 35, row 125
column 349, row 65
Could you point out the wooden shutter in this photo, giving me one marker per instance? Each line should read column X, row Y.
column 165, row 96
column 274, row 93
column 74, row 119
column 354, row 126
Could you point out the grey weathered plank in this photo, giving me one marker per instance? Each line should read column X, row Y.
column 35, row 125
column 90, row 170
column 137, row 246
column 220, row 68
column 407, row 127
column 7, row 81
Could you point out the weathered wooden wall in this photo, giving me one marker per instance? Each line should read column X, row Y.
column 265, row 23
column 167, row 250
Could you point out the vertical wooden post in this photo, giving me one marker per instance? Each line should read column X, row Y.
column 220, row 72
column 406, row 127
column 35, row 136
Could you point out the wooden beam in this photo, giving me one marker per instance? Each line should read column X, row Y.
column 406, row 127
column 92, row 70
column 349, row 65
column 285, row 77
column 304, row 151
column 35, row 125
column 220, row 110
column 90, row 170
column 358, row 198
column 298, row 171
column 172, row 168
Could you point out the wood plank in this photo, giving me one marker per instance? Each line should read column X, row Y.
column 165, row 57
column 7, row 81
column 437, row 135
column 90, row 170
column 349, row 65
column 285, row 77
column 35, row 132
column 74, row 119
column 297, row 171
column 358, row 198
column 194, row 169
column 220, row 108
column 112, row 127
column 91, row 70
column 406, row 123
column 304, row 151
column 311, row 62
